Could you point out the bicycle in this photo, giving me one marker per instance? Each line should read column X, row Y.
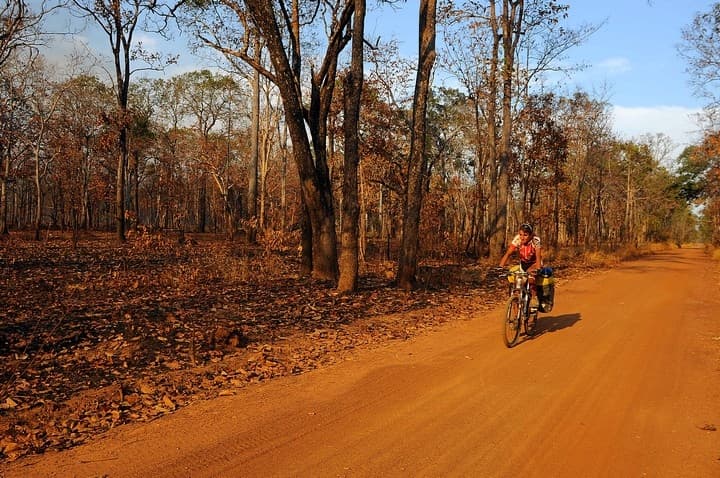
column 519, row 316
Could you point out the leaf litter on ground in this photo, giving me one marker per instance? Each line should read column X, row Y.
column 100, row 335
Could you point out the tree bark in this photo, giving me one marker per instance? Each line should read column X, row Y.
column 352, row 93
column 309, row 153
column 417, row 161
column 495, row 241
column 512, row 18
column 252, row 202
column 120, row 183
column 38, row 192
column 3, row 193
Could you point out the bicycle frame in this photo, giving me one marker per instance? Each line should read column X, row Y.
column 518, row 313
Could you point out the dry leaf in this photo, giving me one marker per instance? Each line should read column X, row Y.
column 168, row 402
column 146, row 388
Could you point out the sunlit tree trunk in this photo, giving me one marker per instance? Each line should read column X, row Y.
column 307, row 126
column 510, row 24
column 3, row 193
column 352, row 92
column 38, row 195
column 494, row 207
column 120, row 185
column 252, row 202
column 417, row 161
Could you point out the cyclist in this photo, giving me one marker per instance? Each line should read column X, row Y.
column 528, row 246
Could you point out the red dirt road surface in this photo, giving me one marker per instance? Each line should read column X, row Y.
column 622, row 380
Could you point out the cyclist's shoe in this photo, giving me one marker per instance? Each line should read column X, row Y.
column 531, row 324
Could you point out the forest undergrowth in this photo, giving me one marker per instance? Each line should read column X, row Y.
column 96, row 335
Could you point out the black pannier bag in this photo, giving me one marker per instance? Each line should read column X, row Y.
column 545, row 289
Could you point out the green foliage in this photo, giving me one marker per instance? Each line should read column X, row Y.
column 691, row 174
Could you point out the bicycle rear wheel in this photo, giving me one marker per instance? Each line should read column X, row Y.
column 511, row 322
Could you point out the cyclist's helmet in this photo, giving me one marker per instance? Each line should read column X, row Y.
column 526, row 228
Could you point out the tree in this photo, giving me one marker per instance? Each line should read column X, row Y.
column 78, row 133
column 691, row 174
column 417, row 160
column 279, row 25
column 209, row 99
column 448, row 215
column 541, row 152
column 120, row 21
column 499, row 54
column 252, row 196
column 44, row 103
column 141, row 139
column 20, row 29
column 15, row 122
column 20, row 37
column 352, row 94
column 699, row 178
column 700, row 48
column 586, row 123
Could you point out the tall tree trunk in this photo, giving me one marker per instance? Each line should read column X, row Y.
column 283, row 178
column 120, row 182
column 38, row 193
column 202, row 207
column 495, row 241
column 417, row 162
column 136, row 188
column 252, row 202
column 306, row 239
column 476, row 243
column 511, row 26
column 352, row 93
column 3, row 194
column 309, row 156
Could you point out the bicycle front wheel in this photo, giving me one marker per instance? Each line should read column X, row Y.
column 511, row 322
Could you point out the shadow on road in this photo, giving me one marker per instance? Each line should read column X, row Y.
column 548, row 324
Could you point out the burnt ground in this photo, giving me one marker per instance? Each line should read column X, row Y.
column 99, row 335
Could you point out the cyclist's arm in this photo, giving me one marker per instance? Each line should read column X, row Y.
column 509, row 251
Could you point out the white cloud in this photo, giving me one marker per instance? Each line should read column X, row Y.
column 148, row 42
column 676, row 122
column 614, row 65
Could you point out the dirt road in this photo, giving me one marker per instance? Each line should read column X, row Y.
column 623, row 380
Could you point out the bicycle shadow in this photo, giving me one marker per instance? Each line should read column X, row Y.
column 550, row 324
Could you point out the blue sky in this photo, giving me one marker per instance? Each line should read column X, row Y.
column 635, row 53
column 635, row 50
column 632, row 59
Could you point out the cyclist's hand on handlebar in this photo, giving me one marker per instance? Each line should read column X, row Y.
column 499, row 271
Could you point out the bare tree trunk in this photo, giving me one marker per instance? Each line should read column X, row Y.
column 136, row 188
column 283, row 179
column 120, row 182
column 252, row 202
column 352, row 93
column 309, row 152
column 3, row 195
column 306, row 240
column 39, row 196
column 508, row 34
column 495, row 241
column 417, row 162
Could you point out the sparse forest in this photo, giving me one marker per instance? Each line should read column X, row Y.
column 215, row 151
column 153, row 224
